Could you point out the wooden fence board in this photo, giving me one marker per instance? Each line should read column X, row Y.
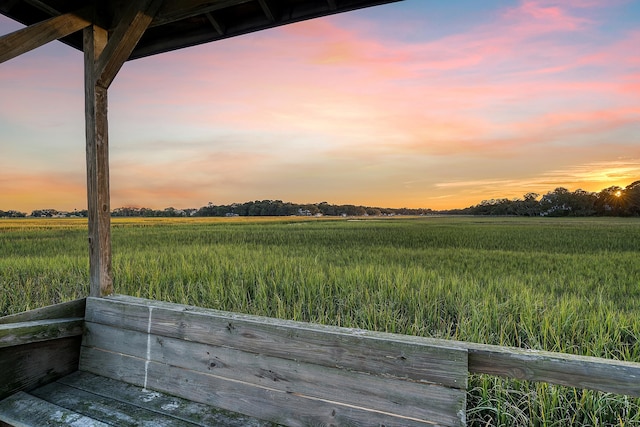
column 605, row 375
column 401, row 397
column 27, row 366
column 357, row 350
column 57, row 311
column 289, row 409
column 611, row 376
column 113, row 365
column 13, row 334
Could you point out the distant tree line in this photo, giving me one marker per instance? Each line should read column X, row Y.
column 12, row 214
column 269, row 208
column 611, row 201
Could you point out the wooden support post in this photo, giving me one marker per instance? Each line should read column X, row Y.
column 99, row 209
column 103, row 59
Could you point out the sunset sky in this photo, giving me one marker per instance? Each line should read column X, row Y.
column 420, row 103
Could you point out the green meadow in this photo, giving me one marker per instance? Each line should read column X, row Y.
column 565, row 284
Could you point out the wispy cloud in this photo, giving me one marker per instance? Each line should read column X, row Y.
column 591, row 176
column 335, row 109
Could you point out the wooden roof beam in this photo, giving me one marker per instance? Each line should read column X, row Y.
column 175, row 10
column 8, row 5
column 43, row 7
column 332, row 4
column 36, row 35
column 267, row 10
column 126, row 35
column 215, row 24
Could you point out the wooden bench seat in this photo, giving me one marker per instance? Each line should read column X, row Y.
column 283, row 372
column 88, row 400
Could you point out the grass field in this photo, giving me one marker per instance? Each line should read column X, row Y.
column 569, row 285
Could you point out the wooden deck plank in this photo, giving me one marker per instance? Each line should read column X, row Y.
column 25, row 410
column 357, row 350
column 176, row 407
column 13, row 334
column 27, row 366
column 291, row 409
column 109, row 410
column 411, row 399
column 118, row 366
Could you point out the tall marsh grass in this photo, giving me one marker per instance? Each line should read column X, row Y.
column 568, row 285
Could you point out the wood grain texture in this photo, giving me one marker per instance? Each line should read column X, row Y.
column 97, row 153
column 367, row 390
column 57, row 311
column 291, row 373
column 174, row 10
column 36, row 35
column 28, row 366
column 611, row 376
column 24, row 410
column 110, row 410
column 357, row 350
column 169, row 405
column 124, row 39
column 289, row 409
column 14, row 334
column 121, row 367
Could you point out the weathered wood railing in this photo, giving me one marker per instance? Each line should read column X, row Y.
column 291, row 373
column 39, row 346
column 584, row 372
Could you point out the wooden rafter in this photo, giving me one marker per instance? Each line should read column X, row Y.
column 267, row 10
column 8, row 5
column 332, row 4
column 43, row 7
column 215, row 24
column 36, row 35
column 124, row 39
column 175, row 10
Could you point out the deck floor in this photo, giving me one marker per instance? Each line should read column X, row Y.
column 84, row 399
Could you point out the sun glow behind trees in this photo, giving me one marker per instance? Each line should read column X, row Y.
column 611, row 201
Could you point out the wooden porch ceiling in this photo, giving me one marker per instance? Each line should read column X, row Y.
column 182, row 23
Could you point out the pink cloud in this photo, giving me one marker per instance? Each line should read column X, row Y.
column 533, row 16
column 248, row 116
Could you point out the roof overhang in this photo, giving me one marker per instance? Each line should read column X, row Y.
column 183, row 23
